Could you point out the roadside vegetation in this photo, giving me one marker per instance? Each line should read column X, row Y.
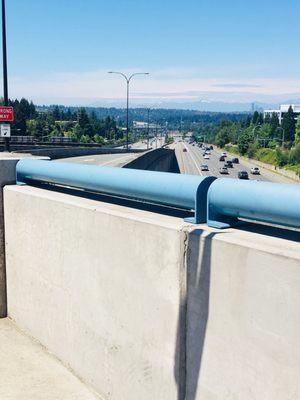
column 262, row 139
column 55, row 122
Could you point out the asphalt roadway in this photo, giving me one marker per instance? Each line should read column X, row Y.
column 112, row 160
column 190, row 162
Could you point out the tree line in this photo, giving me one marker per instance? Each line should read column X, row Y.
column 77, row 125
column 259, row 137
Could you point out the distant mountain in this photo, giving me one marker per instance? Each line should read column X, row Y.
column 205, row 101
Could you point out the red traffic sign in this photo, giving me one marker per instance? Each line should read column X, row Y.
column 6, row 114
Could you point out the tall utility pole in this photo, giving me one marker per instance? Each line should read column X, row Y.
column 128, row 79
column 148, row 128
column 4, row 49
column 282, row 140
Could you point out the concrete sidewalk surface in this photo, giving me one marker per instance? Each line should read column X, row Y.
column 29, row 372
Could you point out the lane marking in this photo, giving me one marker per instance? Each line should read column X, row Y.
column 199, row 170
column 117, row 159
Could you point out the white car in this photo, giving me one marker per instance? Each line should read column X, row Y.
column 224, row 154
column 206, row 157
column 208, row 152
column 255, row 171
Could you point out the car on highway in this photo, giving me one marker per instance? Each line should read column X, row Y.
column 184, row 150
column 235, row 160
column 211, row 147
column 222, row 158
column 224, row 170
column 204, row 167
column 207, row 151
column 228, row 164
column 255, row 171
column 206, row 157
column 243, row 175
column 224, row 154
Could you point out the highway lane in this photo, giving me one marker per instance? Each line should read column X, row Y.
column 191, row 161
column 108, row 160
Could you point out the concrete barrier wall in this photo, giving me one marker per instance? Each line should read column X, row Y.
column 243, row 320
column 7, row 177
column 145, row 306
column 99, row 286
column 163, row 160
column 65, row 152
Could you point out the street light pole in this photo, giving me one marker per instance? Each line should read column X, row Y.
column 282, row 140
column 128, row 79
column 148, row 128
column 256, row 126
column 4, row 50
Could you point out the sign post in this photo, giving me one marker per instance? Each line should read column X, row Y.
column 4, row 54
column 5, row 130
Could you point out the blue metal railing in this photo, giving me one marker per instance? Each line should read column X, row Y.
column 219, row 202
column 231, row 199
column 188, row 192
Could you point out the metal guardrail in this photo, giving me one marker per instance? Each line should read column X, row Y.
column 187, row 192
column 219, row 202
column 274, row 203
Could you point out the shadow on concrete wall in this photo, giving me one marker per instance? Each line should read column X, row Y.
column 139, row 205
column 194, row 315
column 162, row 160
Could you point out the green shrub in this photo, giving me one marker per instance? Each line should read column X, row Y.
column 294, row 157
column 266, row 155
column 232, row 148
column 295, row 168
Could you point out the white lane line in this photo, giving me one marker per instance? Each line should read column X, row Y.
column 117, row 159
column 194, row 161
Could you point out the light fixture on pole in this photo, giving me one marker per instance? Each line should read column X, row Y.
column 5, row 83
column 128, row 79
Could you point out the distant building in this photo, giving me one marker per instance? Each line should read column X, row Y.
column 282, row 110
column 144, row 125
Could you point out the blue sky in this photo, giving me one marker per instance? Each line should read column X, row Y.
column 62, row 49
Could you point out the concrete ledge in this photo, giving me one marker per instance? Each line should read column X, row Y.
column 145, row 306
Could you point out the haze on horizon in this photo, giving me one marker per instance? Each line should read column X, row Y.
column 196, row 52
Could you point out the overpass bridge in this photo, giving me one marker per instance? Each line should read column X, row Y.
column 139, row 294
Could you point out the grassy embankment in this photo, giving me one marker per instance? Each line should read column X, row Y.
column 286, row 159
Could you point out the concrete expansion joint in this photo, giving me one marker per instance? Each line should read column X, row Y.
column 185, row 232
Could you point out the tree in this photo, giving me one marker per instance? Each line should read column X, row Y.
column 244, row 141
column 274, row 122
column 297, row 132
column 223, row 137
column 289, row 125
column 83, row 118
column 56, row 114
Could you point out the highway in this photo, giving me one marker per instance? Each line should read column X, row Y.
column 108, row 160
column 113, row 160
column 190, row 162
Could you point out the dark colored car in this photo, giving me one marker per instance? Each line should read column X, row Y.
column 222, row 158
column 211, row 147
column 243, row 175
column 229, row 164
column 184, row 150
column 235, row 160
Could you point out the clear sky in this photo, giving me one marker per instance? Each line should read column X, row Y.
column 61, row 49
